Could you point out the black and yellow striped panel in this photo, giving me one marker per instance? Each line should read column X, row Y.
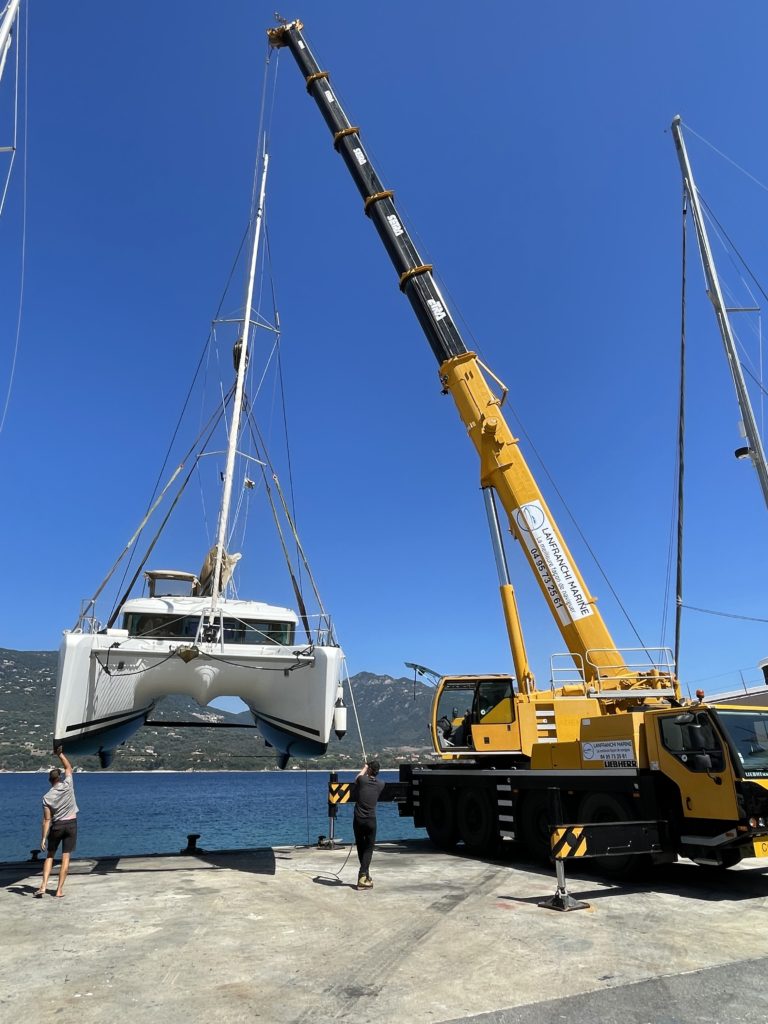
column 569, row 842
column 339, row 792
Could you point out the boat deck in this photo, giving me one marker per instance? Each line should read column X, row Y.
column 281, row 935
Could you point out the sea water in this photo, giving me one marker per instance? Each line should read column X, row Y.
column 128, row 813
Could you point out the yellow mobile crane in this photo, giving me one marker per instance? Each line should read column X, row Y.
column 611, row 733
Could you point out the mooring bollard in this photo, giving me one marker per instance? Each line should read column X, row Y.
column 35, row 855
column 192, row 846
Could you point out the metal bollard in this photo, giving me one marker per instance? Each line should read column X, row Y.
column 192, row 847
column 35, row 855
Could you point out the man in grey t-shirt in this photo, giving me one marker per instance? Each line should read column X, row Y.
column 59, row 822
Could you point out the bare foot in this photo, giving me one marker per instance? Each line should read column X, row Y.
column 59, row 895
column 39, row 892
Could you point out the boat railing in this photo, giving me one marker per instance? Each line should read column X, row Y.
column 86, row 620
column 323, row 631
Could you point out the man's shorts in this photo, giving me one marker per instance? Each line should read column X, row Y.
column 64, row 832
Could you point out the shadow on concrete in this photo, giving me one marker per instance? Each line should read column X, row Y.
column 333, row 881
column 22, row 890
column 255, row 862
column 684, row 879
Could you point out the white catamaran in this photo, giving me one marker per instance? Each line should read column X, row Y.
column 187, row 635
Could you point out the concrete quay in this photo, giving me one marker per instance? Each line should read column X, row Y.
column 281, row 935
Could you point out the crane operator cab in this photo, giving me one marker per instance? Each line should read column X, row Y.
column 473, row 714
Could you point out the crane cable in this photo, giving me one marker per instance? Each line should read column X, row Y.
column 17, row 341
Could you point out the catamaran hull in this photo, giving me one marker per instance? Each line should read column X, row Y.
column 107, row 686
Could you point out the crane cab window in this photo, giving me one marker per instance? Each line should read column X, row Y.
column 748, row 733
column 454, row 713
column 494, row 702
column 686, row 736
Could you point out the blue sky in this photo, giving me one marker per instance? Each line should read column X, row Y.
column 529, row 149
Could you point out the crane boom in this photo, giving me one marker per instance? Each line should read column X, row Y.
column 463, row 376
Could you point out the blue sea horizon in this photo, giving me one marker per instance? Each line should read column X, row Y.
column 132, row 813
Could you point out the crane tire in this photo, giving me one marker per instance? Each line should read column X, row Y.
column 476, row 821
column 604, row 807
column 533, row 825
column 440, row 818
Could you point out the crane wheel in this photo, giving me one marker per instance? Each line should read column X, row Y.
column 440, row 819
column 603, row 807
column 477, row 826
column 533, row 825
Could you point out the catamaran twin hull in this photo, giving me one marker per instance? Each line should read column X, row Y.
column 109, row 682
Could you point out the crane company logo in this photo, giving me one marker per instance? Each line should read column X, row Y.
column 613, row 753
column 394, row 223
column 530, row 517
column 559, row 579
column 436, row 309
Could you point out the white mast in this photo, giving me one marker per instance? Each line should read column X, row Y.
column 755, row 451
column 241, row 351
column 5, row 31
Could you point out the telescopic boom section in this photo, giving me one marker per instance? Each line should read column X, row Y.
column 461, row 373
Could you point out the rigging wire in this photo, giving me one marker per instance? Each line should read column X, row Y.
column 214, row 420
column 727, row 158
column 211, row 333
column 294, row 582
column 576, row 525
column 291, row 524
column 281, row 381
column 188, row 397
column 681, row 447
column 724, row 615
column 749, row 271
column 24, row 179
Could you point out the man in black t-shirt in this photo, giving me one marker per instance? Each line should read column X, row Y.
column 366, row 793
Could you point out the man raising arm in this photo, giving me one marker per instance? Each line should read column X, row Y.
column 59, row 823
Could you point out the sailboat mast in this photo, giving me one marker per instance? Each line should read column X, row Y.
column 5, row 31
column 241, row 355
column 756, row 452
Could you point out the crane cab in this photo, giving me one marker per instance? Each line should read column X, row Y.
column 475, row 715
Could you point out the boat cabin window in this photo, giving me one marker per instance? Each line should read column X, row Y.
column 184, row 627
column 247, row 631
column 179, row 626
column 171, row 584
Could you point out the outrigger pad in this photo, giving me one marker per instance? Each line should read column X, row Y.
column 562, row 900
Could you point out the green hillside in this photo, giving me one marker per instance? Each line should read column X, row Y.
column 393, row 719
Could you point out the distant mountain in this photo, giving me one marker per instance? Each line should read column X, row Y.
column 394, row 720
